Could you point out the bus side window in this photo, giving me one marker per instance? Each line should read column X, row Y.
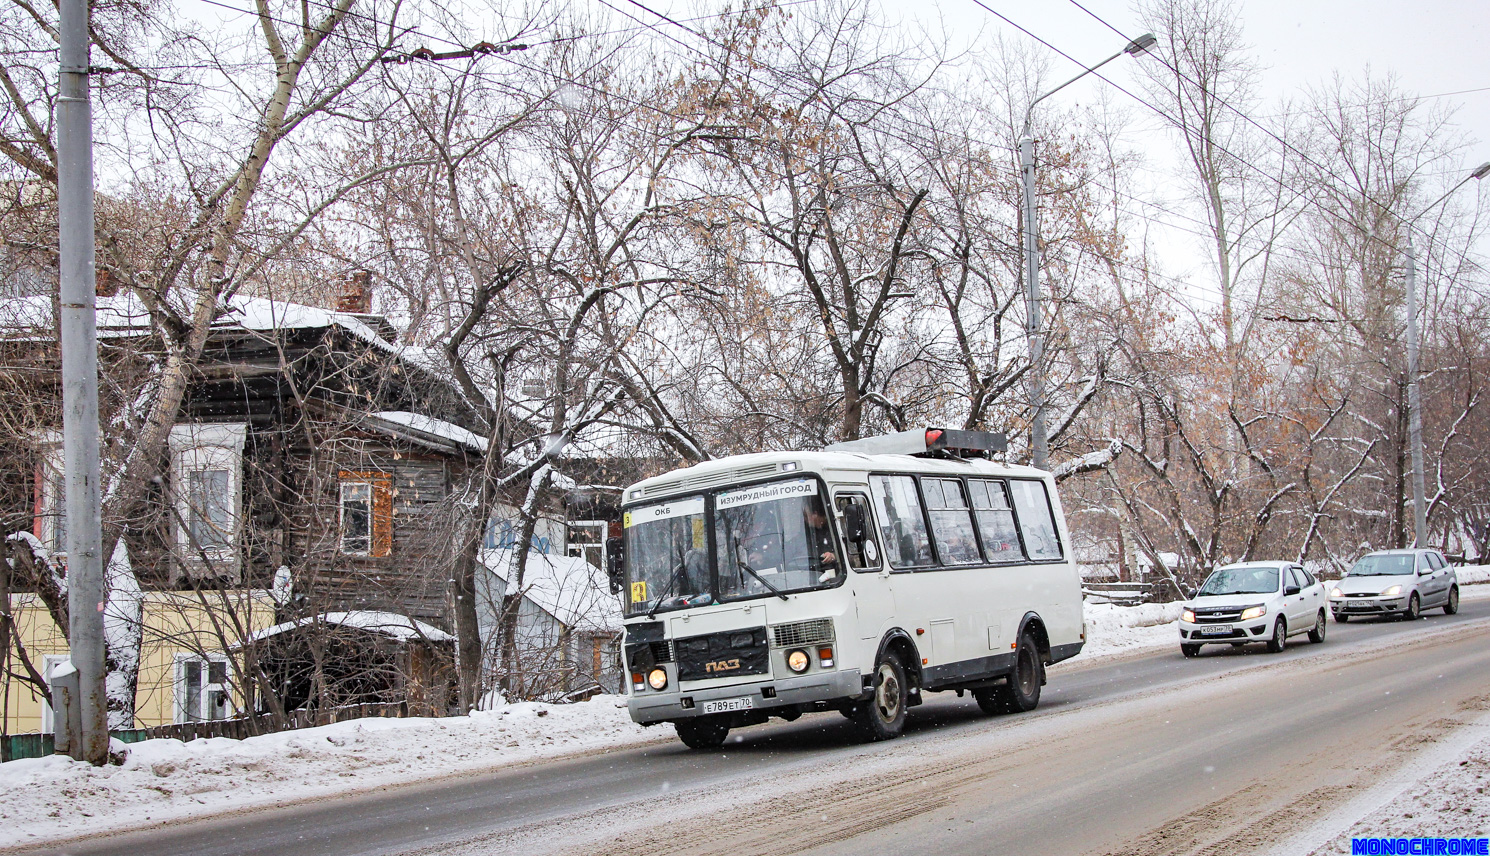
column 995, row 521
column 1033, row 508
column 863, row 555
column 903, row 525
column 951, row 524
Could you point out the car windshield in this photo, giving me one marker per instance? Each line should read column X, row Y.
column 773, row 538
column 768, row 539
column 1384, row 565
column 1253, row 580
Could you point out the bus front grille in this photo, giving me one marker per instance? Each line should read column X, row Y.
column 811, row 632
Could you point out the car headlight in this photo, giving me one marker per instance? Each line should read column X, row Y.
column 798, row 661
column 1188, row 615
column 657, row 678
column 1252, row 612
column 1392, row 592
column 1336, row 592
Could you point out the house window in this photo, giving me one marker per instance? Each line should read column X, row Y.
column 366, row 517
column 201, row 688
column 209, row 514
column 51, row 495
column 207, row 489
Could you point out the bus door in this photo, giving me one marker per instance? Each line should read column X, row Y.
column 874, row 597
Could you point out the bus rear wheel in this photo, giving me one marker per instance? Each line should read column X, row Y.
column 703, row 732
column 882, row 717
column 1021, row 692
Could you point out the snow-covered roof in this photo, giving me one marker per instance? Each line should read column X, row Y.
column 567, row 587
column 390, row 624
column 425, row 429
column 125, row 315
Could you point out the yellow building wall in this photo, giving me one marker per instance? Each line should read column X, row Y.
column 175, row 624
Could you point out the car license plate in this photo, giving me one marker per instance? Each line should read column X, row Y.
column 1216, row 630
column 725, row 705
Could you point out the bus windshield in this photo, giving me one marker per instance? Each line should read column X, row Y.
column 773, row 538
column 769, row 539
column 667, row 555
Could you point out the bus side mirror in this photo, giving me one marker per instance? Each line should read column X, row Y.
column 853, row 523
column 615, row 563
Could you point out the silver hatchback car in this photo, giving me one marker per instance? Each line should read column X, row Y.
column 1396, row 583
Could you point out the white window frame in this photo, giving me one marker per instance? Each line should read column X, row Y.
column 205, row 447
column 52, row 508
column 341, row 512
column 179, row 701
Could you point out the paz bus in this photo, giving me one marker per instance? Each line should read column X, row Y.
column 854, row 579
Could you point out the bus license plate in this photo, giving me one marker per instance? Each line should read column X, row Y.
column 1216, row 630
column 725, row 705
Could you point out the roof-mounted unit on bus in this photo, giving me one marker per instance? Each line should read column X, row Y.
column 928, row 443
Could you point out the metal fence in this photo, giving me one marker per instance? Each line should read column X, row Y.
column 14, row 747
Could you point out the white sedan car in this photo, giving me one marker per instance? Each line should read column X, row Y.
column 1254, row 602
column 1396, row 583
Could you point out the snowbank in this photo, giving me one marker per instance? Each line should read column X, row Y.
column 50, row 798
column 1115, row 629
column 1473, row 574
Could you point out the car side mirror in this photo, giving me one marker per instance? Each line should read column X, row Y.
column 615, row 563
column 854, row 529
column 1291, row 590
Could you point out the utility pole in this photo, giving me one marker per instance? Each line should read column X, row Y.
column 1415, row 402
column 79, row 333
column 1039, row 439
column 1039, row 442
column 1414, row 394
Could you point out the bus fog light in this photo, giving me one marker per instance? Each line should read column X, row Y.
column 798, row 661
column 657, row 679
column 825, row 657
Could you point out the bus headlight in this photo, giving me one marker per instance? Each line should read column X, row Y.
column 657, row 679
column 798, row 661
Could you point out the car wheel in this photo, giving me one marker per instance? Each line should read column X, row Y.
column 1279, row 640
column 882, row 717
column 1453, row 603
column 1317, row 634
column 1341, row 617
column 1414, row 608
column 703, row 732
column 1190, row 650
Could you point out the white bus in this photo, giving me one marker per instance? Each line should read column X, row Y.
column 853, row 579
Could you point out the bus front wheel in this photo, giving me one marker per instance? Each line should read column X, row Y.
column 704, row 732
column 882, row 717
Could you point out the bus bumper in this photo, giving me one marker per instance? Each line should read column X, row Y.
column 823, row 686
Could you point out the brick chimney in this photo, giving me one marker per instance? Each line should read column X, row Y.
column 355, row 293
column 104, row 284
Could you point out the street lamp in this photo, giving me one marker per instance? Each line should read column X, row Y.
column 1414, row 396
column 1039, row 443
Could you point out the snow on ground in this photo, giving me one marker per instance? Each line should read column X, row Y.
column 52, row 798
column 1449, row 802
column 1119, row 629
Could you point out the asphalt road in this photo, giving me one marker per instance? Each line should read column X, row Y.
column 1155, row 754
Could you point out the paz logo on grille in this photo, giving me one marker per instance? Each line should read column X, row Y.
column 722, row 665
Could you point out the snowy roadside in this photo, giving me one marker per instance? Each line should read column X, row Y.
column 1447, row 801
column 55, row 798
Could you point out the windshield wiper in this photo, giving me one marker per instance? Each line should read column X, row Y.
column 751, row 571
column 672, row 578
